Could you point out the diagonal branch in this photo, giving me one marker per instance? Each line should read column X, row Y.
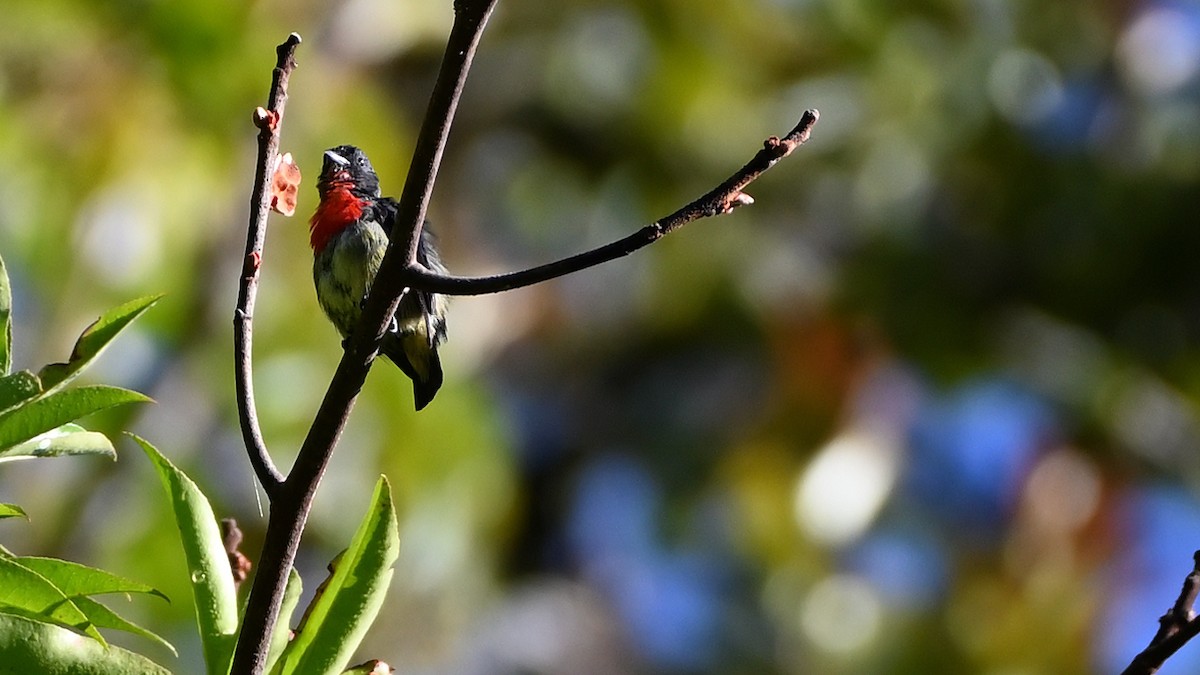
column 720, row 200
column 1175, row 628
column 268, row 121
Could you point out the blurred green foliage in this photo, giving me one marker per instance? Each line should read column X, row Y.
column 982, row 259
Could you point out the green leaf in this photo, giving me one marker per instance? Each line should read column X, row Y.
column 25, row 592
column 55, row 408
column 74, row 579
column 18, row 387
column 103, row 617
column 93, row 340
column 69, row 439
column 78, row 581
column 343, row 610
column 5, row 321
column 208, row 564
column 12, row 511
column 283, row 629
column 30, row 646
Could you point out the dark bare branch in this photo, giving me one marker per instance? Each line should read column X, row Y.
column 720, row 200
column 1175, row 628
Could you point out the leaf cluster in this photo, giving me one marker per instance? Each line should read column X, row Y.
column 43, row 601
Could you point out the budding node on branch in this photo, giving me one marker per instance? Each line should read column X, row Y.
column 265, row 119
column 736, row 200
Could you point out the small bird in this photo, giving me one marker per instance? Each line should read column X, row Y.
column 349, row 233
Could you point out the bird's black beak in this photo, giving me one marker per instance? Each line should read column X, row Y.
column 334, row 162
column 335, row 168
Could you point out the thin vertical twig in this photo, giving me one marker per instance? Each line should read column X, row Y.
column 268, row 120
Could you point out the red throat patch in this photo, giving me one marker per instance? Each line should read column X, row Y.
column 338, row 209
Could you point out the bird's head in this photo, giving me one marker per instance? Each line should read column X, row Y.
column 347, row 167
column 347, row 186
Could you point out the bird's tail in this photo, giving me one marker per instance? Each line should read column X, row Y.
column 419, row 360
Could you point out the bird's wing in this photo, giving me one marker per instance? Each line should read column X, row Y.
column 386, row 210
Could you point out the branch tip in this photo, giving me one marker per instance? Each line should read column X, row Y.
column 1176, row 627
column 286, row 52
column 804, row 127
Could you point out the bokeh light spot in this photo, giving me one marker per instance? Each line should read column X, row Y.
column 1025, row 86
column 1063, row 491
column 121, row 236
column 894, row 180
column 842, row 614
column 1160, row 51
column 845, row 485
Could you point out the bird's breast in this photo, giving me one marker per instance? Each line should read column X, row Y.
column 339, row 208
column 345, row 269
